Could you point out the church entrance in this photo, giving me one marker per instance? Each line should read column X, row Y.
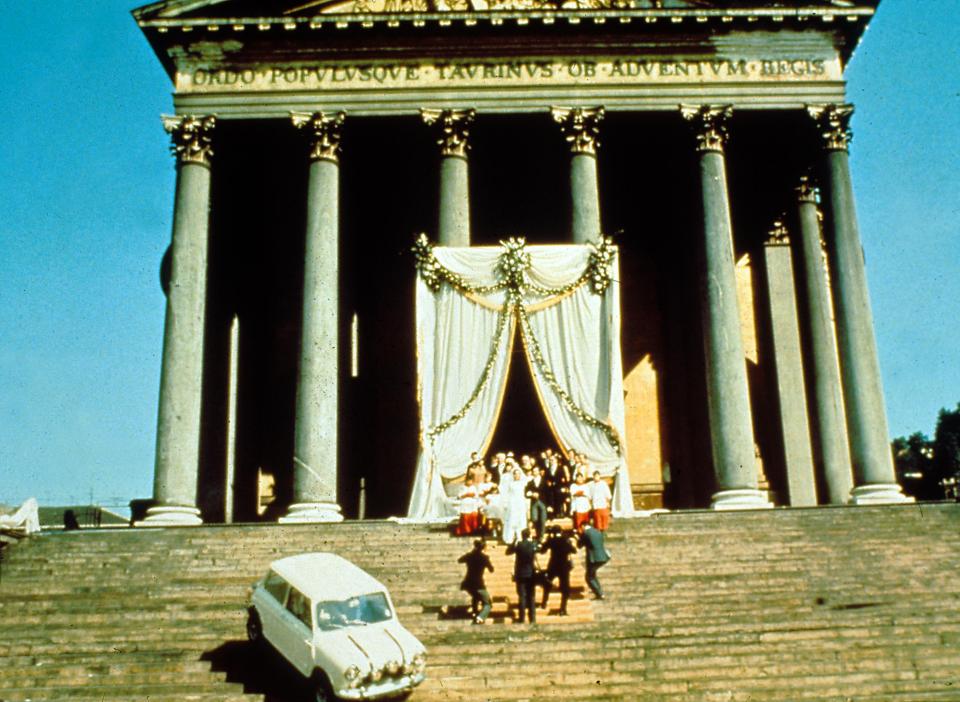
column 522, row 426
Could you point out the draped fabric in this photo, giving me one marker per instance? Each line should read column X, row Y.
column 570, row 331
column 23, row 522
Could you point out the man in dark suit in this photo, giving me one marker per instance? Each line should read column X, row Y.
column 597, row 555
column 538, row 510
column 523, row 572
column 477, row 562
column 559, row 566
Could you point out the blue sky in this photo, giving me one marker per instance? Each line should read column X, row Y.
column 85, row 218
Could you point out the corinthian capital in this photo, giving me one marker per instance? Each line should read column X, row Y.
column 580, row 126
column 806, row 191
column 709, row 124
column 778, row 234
column 323, row 132
column 453, row 127
column 191, row 137
column 833, row 122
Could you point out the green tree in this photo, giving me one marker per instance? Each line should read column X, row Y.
column 913, row 459
column 946, row 444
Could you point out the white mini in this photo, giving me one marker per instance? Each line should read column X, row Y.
column 336, row 625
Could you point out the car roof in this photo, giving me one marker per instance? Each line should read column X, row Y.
column 326, row 576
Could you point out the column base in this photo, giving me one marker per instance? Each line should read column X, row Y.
column 746, row 498
column 170, row 516
column 311, row 513
column 883, row 494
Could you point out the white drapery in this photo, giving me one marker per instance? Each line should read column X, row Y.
column 470, row 301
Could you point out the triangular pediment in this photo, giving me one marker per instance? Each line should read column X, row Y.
column 237, row 9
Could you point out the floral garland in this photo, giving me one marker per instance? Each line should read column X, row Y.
column 434, row 274
column 514, row 263
column 599, row 265
column 502, row 318
column 530, row 341
column 512, row 267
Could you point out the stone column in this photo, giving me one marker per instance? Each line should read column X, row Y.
column 581, row 129
column 874, row 476
column 731, row 429
column 315, row 432
column 181, row 374
column 832, row 450
column 453, row 227
column 788, row 365
column 233, row 391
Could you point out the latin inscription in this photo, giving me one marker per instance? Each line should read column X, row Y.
column 506, row 73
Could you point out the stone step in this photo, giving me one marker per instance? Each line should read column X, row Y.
column 845, row 603
column 106, row 691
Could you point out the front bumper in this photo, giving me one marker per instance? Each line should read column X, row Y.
column 387, row 687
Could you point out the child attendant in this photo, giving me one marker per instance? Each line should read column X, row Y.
column 469, row 509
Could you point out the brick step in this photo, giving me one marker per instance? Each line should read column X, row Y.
column 97, row 661
column 99, row 665
column 122, row 695
column 67, row 680
column 681, row 622
column 604, row 685
column 97, row 692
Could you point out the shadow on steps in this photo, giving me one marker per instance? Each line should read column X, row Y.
column 261, row 671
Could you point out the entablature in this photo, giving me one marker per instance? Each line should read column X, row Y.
column 632, row 56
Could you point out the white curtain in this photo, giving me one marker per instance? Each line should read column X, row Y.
column 464, row 341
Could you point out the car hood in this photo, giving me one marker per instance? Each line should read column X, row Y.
column 370, row 647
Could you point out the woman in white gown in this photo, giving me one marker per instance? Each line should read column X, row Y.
column 515, row 506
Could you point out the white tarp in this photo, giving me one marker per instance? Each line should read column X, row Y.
column 25, row 521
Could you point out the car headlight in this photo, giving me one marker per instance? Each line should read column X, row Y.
column 393, row 667
column 352, row 675
column 419, row 663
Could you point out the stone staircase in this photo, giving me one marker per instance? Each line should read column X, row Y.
column 782, row 605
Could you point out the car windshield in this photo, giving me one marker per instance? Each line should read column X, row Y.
column 365, row 609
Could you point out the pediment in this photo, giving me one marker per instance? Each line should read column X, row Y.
column 236, row 9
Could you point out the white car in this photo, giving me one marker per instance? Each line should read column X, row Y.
column 336, row 625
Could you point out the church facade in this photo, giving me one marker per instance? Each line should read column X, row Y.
column 314, row 140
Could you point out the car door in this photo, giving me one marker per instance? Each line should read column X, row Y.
column 297, row 632
column 271, row 599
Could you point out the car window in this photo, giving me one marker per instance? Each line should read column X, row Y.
column 276, row 586
column 299, row 606
column 365, row 609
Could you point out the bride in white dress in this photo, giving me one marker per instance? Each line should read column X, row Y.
column 514, row 501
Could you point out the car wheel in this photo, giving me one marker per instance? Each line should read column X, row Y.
column 254, row 627
column 322, row 690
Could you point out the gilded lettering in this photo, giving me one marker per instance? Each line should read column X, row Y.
column 620, row 69
column 735, row 68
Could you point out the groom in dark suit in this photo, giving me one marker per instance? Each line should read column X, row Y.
column 597, row 555
column 523, row 571
column 477, row 562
